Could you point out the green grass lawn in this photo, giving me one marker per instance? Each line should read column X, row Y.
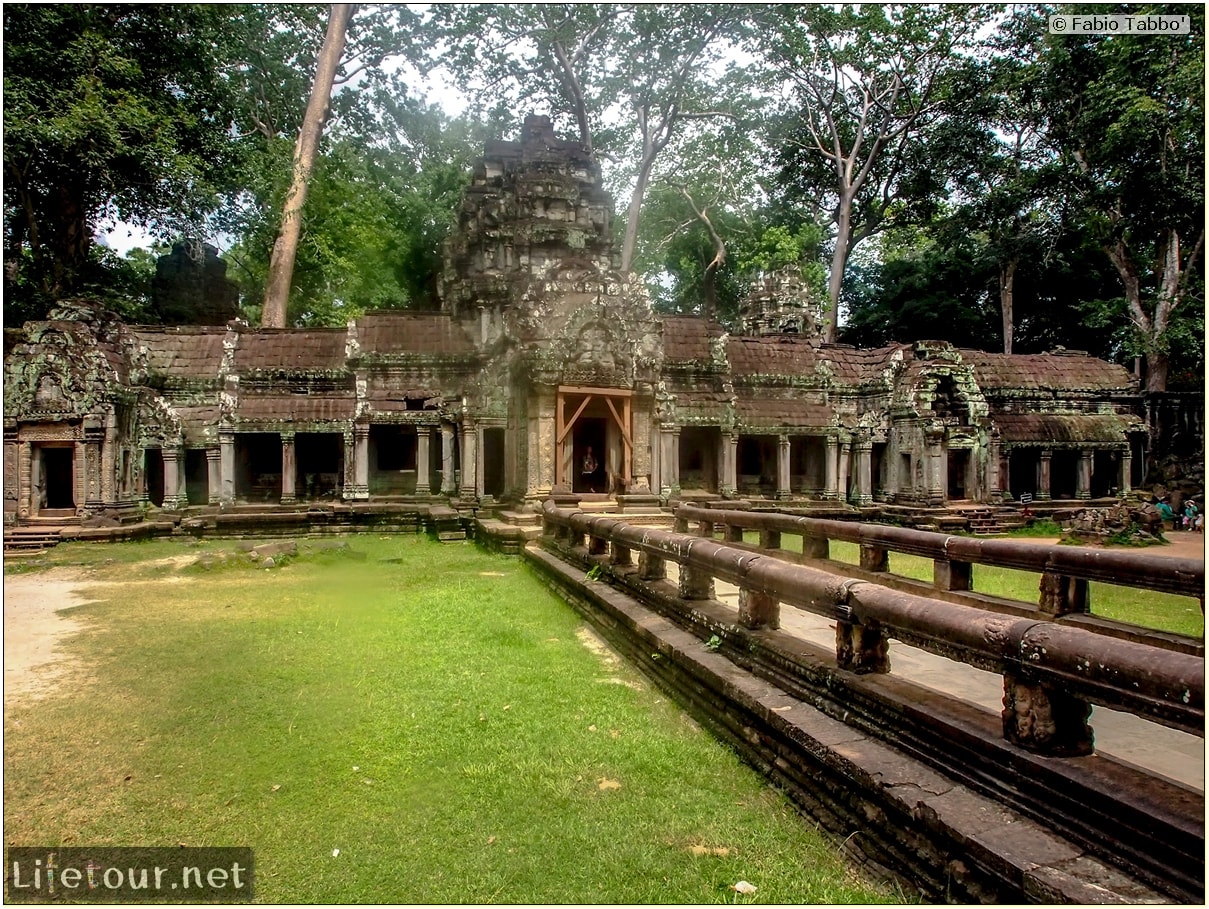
column 422, row 724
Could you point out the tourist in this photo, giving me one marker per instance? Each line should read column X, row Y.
column 587, row 472
column 1190, row 514
column 1165, row 512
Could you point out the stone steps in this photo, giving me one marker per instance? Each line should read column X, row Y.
column 30, row 539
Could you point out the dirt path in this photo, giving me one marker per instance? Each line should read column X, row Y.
column 1182, row 545
column 34, row 662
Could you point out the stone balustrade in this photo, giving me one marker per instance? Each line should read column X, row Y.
column 1052, row 673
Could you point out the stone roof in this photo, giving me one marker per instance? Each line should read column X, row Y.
column 287, row 349
column 689, row 338
column 765, row 413
column 295, row 408
column 199, row 422
column 192, row 353
column 429, row 333
column 1047, row 372
column 709, row 407
column 1065, row 429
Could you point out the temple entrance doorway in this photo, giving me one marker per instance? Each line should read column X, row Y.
column 320, row 465
column 153, row 470
column 959, row 463
column 590, row 451
column 493, row 461
column 58, row 477
column 598, row 418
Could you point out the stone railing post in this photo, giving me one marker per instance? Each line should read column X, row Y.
column 770, row 539
column 862, row 649
column 622, row 556
column 949, row 575
column 874, row 558
column 1062, row 595
column 651, row 567
column 1044, row 718
column 696, row 583
column 814, row 547
column 758, row 610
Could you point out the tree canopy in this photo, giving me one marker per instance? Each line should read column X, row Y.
column 933, row 169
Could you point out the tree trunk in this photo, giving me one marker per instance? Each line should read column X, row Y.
column 839, row 261
column 1007, row 292
column 285, row 249
column 630, row 238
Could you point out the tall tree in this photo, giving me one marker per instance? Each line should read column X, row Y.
column 285, row 249
column 111, row 112
column 1128, row 114
column 865, row 80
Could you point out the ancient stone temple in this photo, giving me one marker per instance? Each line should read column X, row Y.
column 545, row 368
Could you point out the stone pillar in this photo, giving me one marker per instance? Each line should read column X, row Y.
column 935, row 473
column 92, row 471
column 423, row 434
column 79, row 478
column 448, row 480
column 226, row 451
column 28, row 476
column 783, row 484
column 110, row 491
column 864, row 472
column 845, row 460
column 350, row 464
column 994, row 482
column 727, row 476
column 213, row 475
column 1083, row 475
column 669, row 461
column 469, row 460
column 480, row 475
column 1125, row 480
column 360, row 485
column 832, row 465
column 289, row 470
column 1043, row 481
column 172, row 479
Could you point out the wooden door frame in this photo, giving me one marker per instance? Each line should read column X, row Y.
column 563, row 426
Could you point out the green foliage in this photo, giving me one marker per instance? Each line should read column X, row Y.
column 111, row 111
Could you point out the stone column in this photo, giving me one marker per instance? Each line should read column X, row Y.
column 92, row 471
column 423, row 434
column 360, row 485
column 79, row 478
column 1043, row 481
column 29, row 468
column 172, row 479
column 1083, row 475
column 213, row 475
column 469, row 460
column 935, row 474
column 448, row 480
column 1125, row 480
column 669, row 461
column 729, row 479
column 994, row 482
column 480, row 474
column 226, row 450
column 783, row 484
column 864, row 472
column 110, row 491
column 845, row 460
column 832, row 466
column 289, row 470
